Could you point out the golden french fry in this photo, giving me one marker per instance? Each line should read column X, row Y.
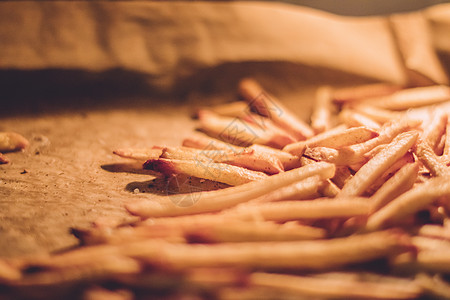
column 322, row 109
column 296, row 255
column 435, row 130
column 11, row 141
column 410, row 202
column 231, row 109
column 338, row 286
column 337, row 138
column 361, row 92
column 434, row 260
column 239, row 231
column 139, row 154
column 246, row 158
column 375, row 167
column 221, row 199
column 377, row 114
column 240, row 132
column 402, row 181
column 413, row 97
column 446, row 151
column 308, row 209
column 424, row 243
column 387, row 133
column 341, row 176
column 219, row 172
column 430, row 160
column 201, row 141
column 354, row 119
column 434, row 285
column 266, row 105
column 436, row 231
column 329, row 189
column 304, row 189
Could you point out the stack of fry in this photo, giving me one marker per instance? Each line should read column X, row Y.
column 353, row 205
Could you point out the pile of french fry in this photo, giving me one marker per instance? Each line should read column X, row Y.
column 353, row 205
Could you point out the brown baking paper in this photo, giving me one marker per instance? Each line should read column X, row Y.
column 169, row 41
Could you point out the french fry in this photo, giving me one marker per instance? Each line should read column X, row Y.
column 239, row 231
column 341, row 176
column 322, row 110
column 377, row 114
column 434, row 285
column 446, row 151
column 297, row 255
column 11, row 141
column 410, row 202
column 424, row 243
column 387, row 133
column 436, row 231
column 240, row 132
column 336, row 139
column 266, row 105
column 435, row 130
column 433, row 261
column 204, row 142
column 9, row 273
column 246, row 158
column 413, row 97
column 200, row 141
column 340, row 286
column 283, row 211
column 402, row 181
column 352, row 118
column 361, row 92
column 221, row 199
column 304, row 189
column 329, row 189
column 430, row 160
column 230, row 109
column 375, row 167
column 139, row 154
column 220, row 172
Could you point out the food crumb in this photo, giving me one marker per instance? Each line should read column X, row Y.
column 136, row 191
column 25, row 171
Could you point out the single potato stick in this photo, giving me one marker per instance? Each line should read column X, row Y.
column 424, row 243
column 342, row 175
column 337, row 287
column 430, row 160
column 247, row 158
column 238, row 231
column 410, row 202
column 434, row 285
column 296, row 255
column 304, row 189
column 266, row 105
column 11, row 141
column 436, row 231
column 221, row 199
column 329, row 189
column 219, row 172
column 333, row 139
column 435, row 130
column 434, row 261
column 352, row 118
column 322, row 109
column 308, row 209
column 240, row 132
column 204, row 142
column 201, row 141
column 446, row 151
column 375, row 167
column 361, row 92
column 377, row 114
column 412, row 97
column 139, row 154
column 230, row 109
column 387, row 133
column 402, row 181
